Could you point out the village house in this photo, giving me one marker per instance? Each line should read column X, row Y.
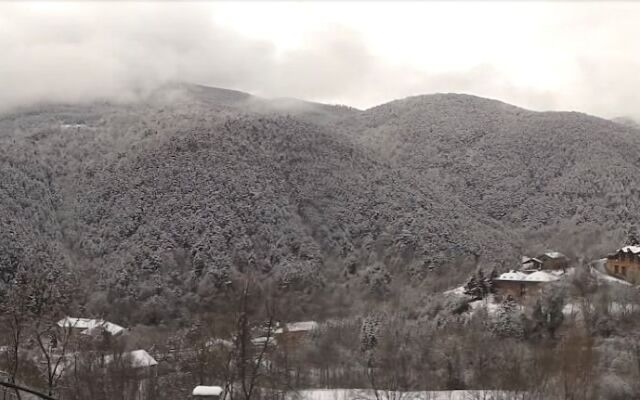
column 533, row 275
column 88, row 326
column 293, row 333
column 551, row 260
column 134, row 359
column 520, row 285
column 138, row 360
column 531, row 264
column 625, row 264
column 142, row 366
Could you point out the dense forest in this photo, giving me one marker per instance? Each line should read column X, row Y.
column 160, row 203
column 199, row 218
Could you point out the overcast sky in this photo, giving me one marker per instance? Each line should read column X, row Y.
column 577, row 55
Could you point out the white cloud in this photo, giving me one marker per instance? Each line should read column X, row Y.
column 574, row 55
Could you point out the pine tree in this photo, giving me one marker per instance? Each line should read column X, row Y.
column 537, row 320
column 554, row 314
column 369, row 333
column 483, row 287
column 493, row 275
column 473, row 288
column 508, row 321
column 479, row 285
column 633, row 239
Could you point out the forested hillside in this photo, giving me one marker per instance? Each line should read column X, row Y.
column 526, row 168
column 161, row 202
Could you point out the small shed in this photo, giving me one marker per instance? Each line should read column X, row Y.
column 625, row 264
column 207, row 392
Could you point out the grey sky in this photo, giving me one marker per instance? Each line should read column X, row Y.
column 581, row 56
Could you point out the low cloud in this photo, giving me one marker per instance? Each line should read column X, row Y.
column 90, row 51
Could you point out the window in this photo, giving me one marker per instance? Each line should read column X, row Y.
column 624, row 271
column 616, row 269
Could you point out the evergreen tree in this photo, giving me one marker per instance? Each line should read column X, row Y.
column 554, row 315
column 483, row 287
column 537, row 319
column 479, row 285
column 633, row 239
column 369, row 333
column 508, row 320
column 493, row 275
column 547, row 314
column 473, row 288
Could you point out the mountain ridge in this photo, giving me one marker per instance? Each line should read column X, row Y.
column 164, row 200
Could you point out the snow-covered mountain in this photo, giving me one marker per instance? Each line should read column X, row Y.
column 168, row 197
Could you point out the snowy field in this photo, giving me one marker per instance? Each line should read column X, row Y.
column 366, row 394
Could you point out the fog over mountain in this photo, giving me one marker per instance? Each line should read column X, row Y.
column 163, row 200
column 305, row 200
column 73, row 52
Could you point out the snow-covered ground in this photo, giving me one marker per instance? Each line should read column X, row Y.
column 455, row 291
column 367, row 394
column 489, row 303
column 571, row 309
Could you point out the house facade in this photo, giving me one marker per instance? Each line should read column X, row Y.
column 520, row 285
column 294, row 333
column 89, row 326
column 531, row 263
column 553, row 260
column 625, row 264
column 549, row 261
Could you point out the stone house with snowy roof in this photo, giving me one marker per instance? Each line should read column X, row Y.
column 89, row 326
column 293, row 333
column 553, row 260
column 521, row 285
column 531, row 263
column 625, row 264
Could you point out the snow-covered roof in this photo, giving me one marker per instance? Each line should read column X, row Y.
column 138, row 358
column 538, row 276
column 526, row 260
column 513, row 276
column 110, row 327
column 554, row 254
column 207, row 391
column 632, row 249
column 79, row 323
column 90, row 326
column 302, row 326
column 561, row 272
column 542, row 276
